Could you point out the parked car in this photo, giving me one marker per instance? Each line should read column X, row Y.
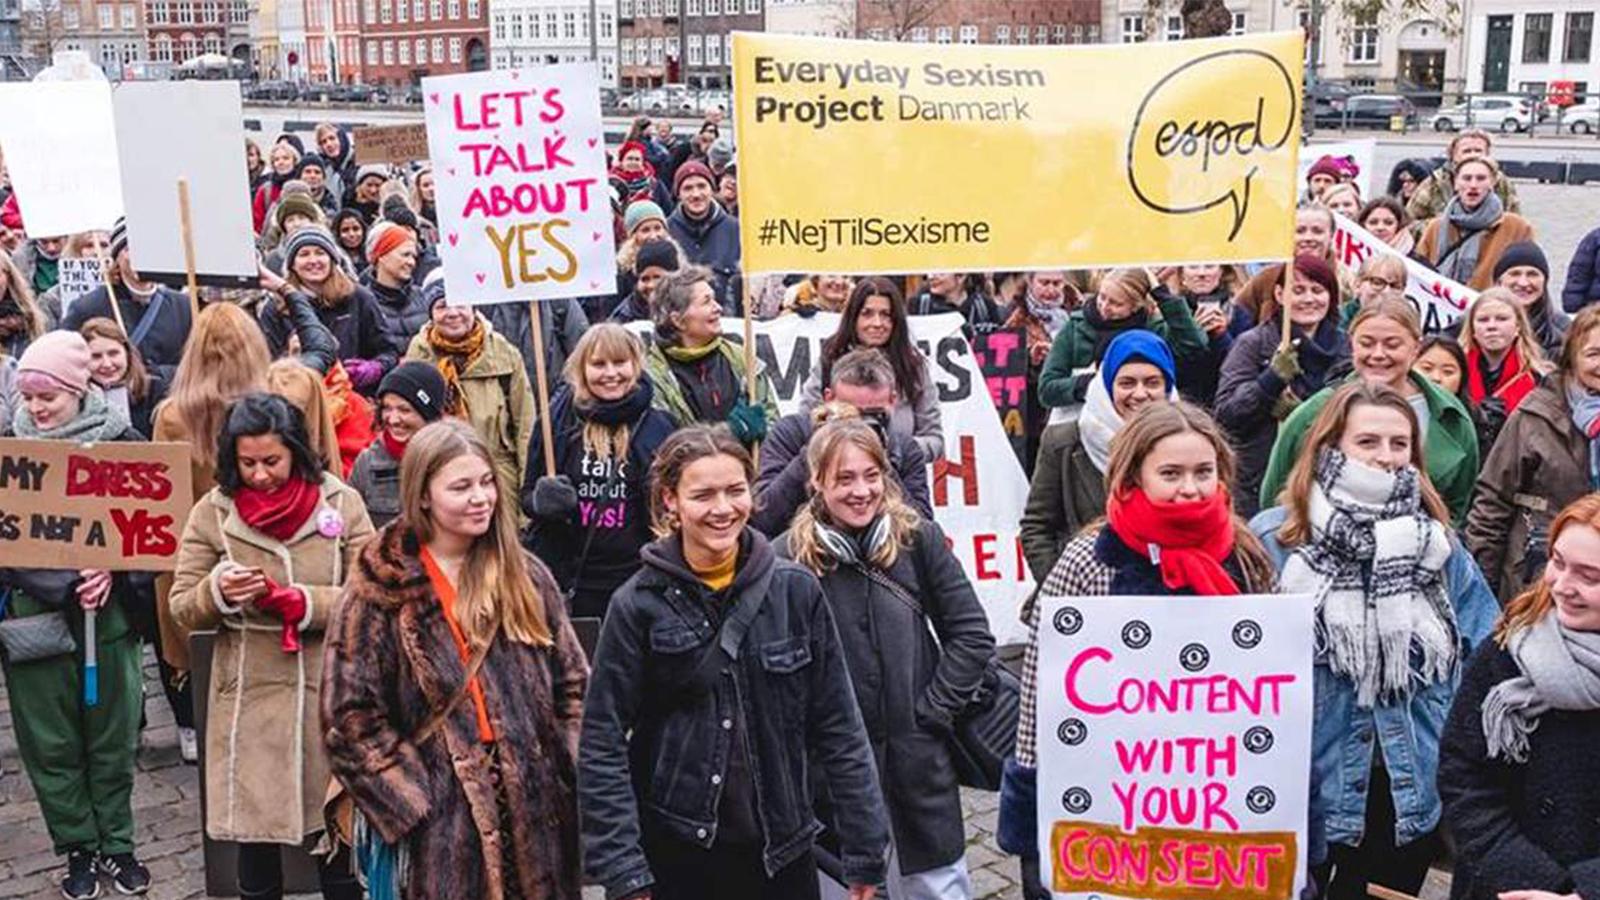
column 272, row 90
column 1325, row 97
column 1505, row 113
column 1370, row 111
column 1582, row 119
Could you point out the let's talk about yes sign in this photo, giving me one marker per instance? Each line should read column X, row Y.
column 1174, row 746
column 519, row 167
column 874, row 157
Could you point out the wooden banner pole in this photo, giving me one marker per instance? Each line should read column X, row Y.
column 750, row 358
column 107, row 265
column 546, row 430
column 188, row 248
column 1288, row 297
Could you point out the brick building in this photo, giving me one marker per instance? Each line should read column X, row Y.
column 180, row 30
column 333, row 40
column 404, row 40
column 682, row 41
column 980, row 21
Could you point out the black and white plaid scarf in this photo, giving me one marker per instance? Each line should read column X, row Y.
column 1375, row 564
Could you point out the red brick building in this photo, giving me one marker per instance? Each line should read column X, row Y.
column 404, row 40
column 333, row 40
column 980, row 21
column 681, row 41
column 179, row 30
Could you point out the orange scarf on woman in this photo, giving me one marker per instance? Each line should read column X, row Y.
column 455, row 358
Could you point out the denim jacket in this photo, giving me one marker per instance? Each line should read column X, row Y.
column 1342, row 733
column 655, row 753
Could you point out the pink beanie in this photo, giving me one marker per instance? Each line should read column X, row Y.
column 58, row 359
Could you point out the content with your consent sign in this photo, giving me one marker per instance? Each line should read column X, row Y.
column 882, row 157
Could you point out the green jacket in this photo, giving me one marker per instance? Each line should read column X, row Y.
column 1074, row 348
column 1450, row 451
column 669, row 396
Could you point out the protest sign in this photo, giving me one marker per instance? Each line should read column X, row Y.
column 167, row 130
column 1002, row 356
column 979, row 507
column 1439, row 301
column 77, row 277
column 883, row 157
column 118, row 506
column 61, row 150
column 391, row 143
column 1360, row 153
column 1174, row 746
column 520, row 178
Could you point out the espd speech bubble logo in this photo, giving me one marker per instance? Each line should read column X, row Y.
column 1193, row 147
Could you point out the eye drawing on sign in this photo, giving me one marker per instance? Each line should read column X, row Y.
column 1189, row 151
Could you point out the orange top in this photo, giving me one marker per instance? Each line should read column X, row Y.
column 447, row 602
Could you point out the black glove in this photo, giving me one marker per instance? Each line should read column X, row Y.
column 554, row 498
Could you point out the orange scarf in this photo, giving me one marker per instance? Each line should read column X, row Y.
column 455, row 358
column 446, row 593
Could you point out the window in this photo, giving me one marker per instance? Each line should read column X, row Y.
column 942, row 35
column 1094, row 33
column 694, row 50
column 569, row 25
column 1174, row 29
column 213, row 12
column 163, row 49
column 72, row 17
column 436, row 10
column 213, row 43
column 1002, row 34
column 401, row 8
column 875, row 34
column 625, row 8
column 969, row 34
column 455, row 50
column 388, row 52
column 372, row 53
column 727, row 47
column 713, row 50
column 1536, row 37
column 385, row 11
column 608, row 25
column 499, row 26
column 627, row 51
column 158, row 15
column 1058, row 34
column 1077, row 33
column 691, row 7
column 658, row 51
column 1022, row 35
column 453, row 9
column 419, row 11
column 713, row 7
column 655, row 8
column 549, row 24
column 672, row 7
column 422, row 51
column 752, row 7
column 438, row 50
column 1580, row 34
column 1132, row 29
column 405, row 53
column 1237, row 27
column 919, row 35
column 1364, row 40
column 1040, row 35
column 129, row 16
column 369, row 9
column 185, row 12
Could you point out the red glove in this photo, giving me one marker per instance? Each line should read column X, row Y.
column 289, row 605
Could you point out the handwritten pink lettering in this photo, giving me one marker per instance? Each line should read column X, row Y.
column 1219, row 693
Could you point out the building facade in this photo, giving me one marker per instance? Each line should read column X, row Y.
column 534, row 32
column 685, row 42
column 1523, row 46
column 649, row 44
column 110, row 32
column 404, row 40
column 981, row 21
column 820, row 18
column 180, row 30
column 333, row 41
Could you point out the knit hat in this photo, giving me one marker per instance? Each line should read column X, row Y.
column 386, row 237
column 433, row 288
column 297, row 204
column 370, row 170
column 313, row 236
column 308, row 161
column 1137, row 345
column 1522, row 253
column 419, row 384
column 56, row 359
column 295, row 186
column 720, row 154
column 640, row 212
column 119, row 237
column 694, row 168
column 622, row 151
column 294, row 141
column 656, row 255
column 1328, row 166
column 1317, row 269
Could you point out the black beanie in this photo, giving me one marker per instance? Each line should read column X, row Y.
column 656, row 255
column 119, row 237
column 309, row 160
column 419, row 384
column 1522, row 253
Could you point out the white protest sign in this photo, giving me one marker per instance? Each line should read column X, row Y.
column 1439, row 301
column 519, row 169
column 61, row 150
column 77, row 277
column 1174, row 746
column 1360, row 152
column 979, row 507
column 167, row 130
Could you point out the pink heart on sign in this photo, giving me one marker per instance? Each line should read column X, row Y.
column 592, row 142
column 451, row 171
column 453, row 238
column 434, row 99
column 594, row 285
column 515, row 74
column 598, row 236
column 479, row 276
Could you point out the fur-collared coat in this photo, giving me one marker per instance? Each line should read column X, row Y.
column 390, row 661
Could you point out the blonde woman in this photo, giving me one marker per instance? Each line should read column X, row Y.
column 591, row 518
column 1380, row 276
column 889, row 578
column 452, row 692
column 1504, row 360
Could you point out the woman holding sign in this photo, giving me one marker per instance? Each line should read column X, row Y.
column 80, row 758
column 1399, row 606
column 263, row 562
column 1518, row 769
column 1169, row 500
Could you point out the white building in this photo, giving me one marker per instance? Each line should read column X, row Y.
column 535, row 32
column 291, row 47
column 1523, row 45
column 820, row 18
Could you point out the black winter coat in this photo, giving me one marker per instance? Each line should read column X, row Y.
column 712, row 242
column 911, row 687
column 162, row 345
column 1527, row 826
column 359, row 327
column 402, row 309
column 783, row 483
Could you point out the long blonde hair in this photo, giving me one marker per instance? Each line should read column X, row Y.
column 1527, row 345
column 828, row 442
column 495, row 592
column 294, row 381
column 226, row 357
column 608, row 341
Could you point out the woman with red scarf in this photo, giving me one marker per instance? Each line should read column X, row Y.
column 263, row 562
column 1504, row 360
column 635, row 179
column 1170, row 529
column 409, row 397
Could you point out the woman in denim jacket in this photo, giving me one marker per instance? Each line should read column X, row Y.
column 1400, row 606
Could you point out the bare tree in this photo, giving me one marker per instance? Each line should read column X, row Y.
column 1210, row 18
column 901, row 16
column 1206, row 18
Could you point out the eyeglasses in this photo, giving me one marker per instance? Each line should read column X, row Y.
column 1384, row 283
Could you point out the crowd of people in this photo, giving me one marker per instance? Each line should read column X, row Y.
column 395, row 568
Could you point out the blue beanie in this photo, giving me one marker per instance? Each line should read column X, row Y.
column 1137, row 345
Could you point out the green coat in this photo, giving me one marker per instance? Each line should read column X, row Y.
column 1450, row 452
column 1074, row 348
column 669, row 396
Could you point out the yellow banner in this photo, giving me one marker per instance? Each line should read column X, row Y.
column 866, row 156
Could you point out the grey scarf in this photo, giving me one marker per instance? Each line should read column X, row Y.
column 1560, row 670
column 96, row 420
column 1459, row 260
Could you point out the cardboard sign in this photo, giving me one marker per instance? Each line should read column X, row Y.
column 1360, row 152
column 1003, row 358
column 61, row 150
column 1174, row 746
column 118, row 506
column 979, row 507
column 884, row 157
column 78, row 277
column 520, row 178
column 168, row 130
column 393, row 144
column 1440, row 302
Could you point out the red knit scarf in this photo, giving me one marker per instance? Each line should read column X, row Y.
column 1515, row 383
column 278, row 513
column 396, row 449
column 1186, row 541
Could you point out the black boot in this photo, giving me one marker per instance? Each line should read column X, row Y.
column 1032, row 887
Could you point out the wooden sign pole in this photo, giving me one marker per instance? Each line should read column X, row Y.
column 750, row 357
column 546, row 430
column 188, row 248
column 107, row 264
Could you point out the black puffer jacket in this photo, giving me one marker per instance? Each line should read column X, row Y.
column 360, row 329
column 402, row 307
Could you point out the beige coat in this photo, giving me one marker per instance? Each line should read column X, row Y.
column 264, row 746
column 499, row 402
column 174, row 642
